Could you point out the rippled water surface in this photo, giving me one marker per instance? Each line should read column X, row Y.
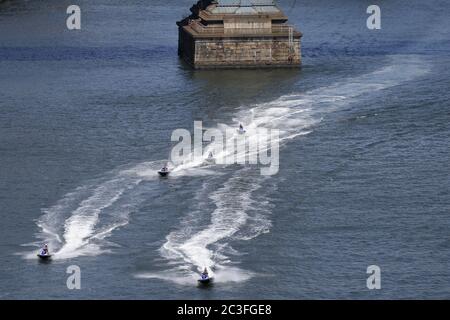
column 86, row 119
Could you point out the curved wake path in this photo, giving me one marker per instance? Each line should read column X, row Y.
column 242, row 214
column 80, row 223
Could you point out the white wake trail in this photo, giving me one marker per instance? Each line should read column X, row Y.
column 78, row 224
column 232, row 202
column 294, row 115
column 80, row 228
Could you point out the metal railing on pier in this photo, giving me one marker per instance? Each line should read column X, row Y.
column 220, row 30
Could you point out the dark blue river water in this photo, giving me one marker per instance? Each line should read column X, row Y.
column 86, row 119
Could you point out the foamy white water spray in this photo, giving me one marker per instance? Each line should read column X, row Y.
column 78, row 223
column 294, row 115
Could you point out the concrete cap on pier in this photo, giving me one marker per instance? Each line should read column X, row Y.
column 244, row 7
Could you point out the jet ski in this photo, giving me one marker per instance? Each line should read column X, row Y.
column 205, row 278
column 44, row 254
column 164, row 172
column 204, row 281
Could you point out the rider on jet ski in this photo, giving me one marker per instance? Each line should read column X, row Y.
column 44, row 250
column 205, row 274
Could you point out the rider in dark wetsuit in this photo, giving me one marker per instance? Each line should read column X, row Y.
column 44, row 250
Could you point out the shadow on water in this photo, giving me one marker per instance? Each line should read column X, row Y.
column 205, row 287
column 44, row 261
column 225, row 90
column 253, row 79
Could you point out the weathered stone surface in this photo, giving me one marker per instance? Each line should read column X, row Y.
column 245, row 52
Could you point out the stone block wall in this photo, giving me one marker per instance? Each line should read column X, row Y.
column 246, row 52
